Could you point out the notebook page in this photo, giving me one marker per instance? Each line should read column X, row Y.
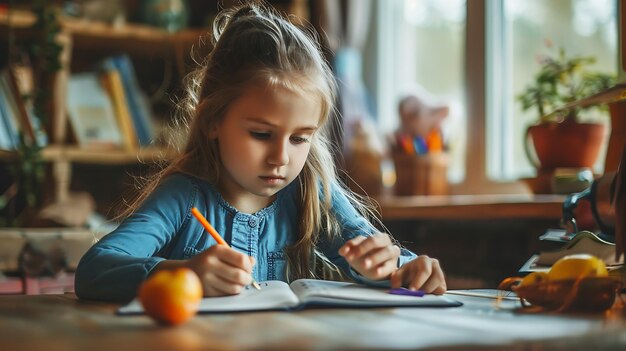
column 311, row 291
column 272, row 296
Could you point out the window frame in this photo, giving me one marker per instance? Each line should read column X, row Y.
column 486, row 68
column 476, row 179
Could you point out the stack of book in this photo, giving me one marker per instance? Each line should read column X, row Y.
column 583, row 242
column 107, row 108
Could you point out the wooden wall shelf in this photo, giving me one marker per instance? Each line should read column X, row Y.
column 112, row 157
column 76, row 154
column 132, row 38
column 471, row 207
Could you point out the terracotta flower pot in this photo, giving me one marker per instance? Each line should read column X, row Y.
column 565, row 145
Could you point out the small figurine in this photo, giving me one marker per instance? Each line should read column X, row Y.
column 420, row 124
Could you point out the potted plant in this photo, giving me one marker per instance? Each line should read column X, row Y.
column 560, row 138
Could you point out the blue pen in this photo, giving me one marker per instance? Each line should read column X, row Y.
column 406, row 292
column 420, row 145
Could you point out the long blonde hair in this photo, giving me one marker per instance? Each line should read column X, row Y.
column 251, row 44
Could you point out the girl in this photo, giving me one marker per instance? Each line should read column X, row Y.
column 258, row 165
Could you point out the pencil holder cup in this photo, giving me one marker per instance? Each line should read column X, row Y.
column 421, row 174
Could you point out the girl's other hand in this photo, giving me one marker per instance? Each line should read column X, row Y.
column 375, row 257
column 222, row 270
column 422, row 273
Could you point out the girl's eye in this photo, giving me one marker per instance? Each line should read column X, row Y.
column 260, row 135
column 299, row 140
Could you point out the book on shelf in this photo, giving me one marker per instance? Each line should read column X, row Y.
column 16, row 120
column 112, row 83
column 137, row 101
column 5, row 139
column 22, row 79
column 15, row 111
column 9, row 134
column 26, row 128
column 91, row 113
column 301, row 293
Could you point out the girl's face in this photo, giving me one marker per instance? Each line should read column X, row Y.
column 264, row 140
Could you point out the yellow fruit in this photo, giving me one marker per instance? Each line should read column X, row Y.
column 577, row 266
column 171, row 296
column 534, row 278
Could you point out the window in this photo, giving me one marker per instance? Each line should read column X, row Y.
column 425, row 47
column 490, row 46
column 518, row 31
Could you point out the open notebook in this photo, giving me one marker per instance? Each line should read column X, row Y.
column 278, row 295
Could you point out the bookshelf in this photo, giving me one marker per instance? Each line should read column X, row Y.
column 76, row 34
column 86, row 42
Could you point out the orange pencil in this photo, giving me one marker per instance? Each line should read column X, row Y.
column 209, row 228
column 434, row 141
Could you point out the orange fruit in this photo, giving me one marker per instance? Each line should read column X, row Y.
column 534, row 278
column 171, row 296
column 577, row 266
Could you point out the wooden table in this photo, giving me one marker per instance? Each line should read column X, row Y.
column 61, row 322
column 474, row 207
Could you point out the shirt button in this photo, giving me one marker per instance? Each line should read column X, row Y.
column 252, row 222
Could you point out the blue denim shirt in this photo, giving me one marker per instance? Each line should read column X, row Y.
column 163, row 228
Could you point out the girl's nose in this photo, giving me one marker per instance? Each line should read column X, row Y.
column 278, row 155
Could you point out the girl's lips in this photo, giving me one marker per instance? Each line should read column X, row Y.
column 272, row 179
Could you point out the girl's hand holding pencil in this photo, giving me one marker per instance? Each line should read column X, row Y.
column 222, row 270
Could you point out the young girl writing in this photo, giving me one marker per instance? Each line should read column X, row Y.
column 258, row 166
